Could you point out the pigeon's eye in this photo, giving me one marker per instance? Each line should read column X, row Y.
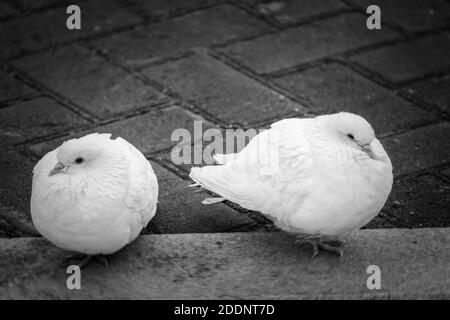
column 79, row 160
column 350, row 136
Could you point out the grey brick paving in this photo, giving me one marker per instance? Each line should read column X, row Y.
column 161, row 9
column 419, row 149
column 12, row 88
column 306, row 43
column 15, row 182
column 333, row 88
column 143, row 45
column 409, row 60
column 220, row 90
column 434, row 91
column 293, row 12
column 46, row 29
column 446, row 172
column 140, row 69
column 89, row 81
column 6, row 10
column 29, row 5
column 33, row 119
column 15, row 223
column 419, row 201
column 412, row 15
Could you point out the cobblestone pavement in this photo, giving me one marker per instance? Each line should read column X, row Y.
column 140, row 69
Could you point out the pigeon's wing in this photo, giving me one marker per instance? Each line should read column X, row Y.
column 142, row 189
column 270, row 174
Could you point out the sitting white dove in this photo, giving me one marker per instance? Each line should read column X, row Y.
column 93, row 195
column 316, row 178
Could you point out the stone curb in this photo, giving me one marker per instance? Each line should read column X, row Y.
column 414, row 264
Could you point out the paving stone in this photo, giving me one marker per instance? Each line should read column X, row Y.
column 180, row 209
column 418, row 202
column 446, row 172
column 33, row 119
column 12, row 89
column 380, row 222
column 46, row 29
column 307, row 43
column 15, row 223
column 89, row 81
column 27, row 5
column 221, row 90
column 419, row 149
column 434, row 91
column 143, row 45
column 6, row 10
column 413, row 264
column 412, row 15
column 15, row 182
column 149, row 132
column 160, row 9
column 409, row 60
column 334, row 88
column 294, row 11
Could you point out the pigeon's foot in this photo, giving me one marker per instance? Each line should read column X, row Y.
column 332, row 246
column 335, row 242
column 86, row 259
column 99, row 258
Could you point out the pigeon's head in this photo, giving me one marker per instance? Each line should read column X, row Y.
column 78, row 155
column 352, row 130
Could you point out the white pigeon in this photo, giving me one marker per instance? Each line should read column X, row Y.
column 93, row 195
column 316, row 178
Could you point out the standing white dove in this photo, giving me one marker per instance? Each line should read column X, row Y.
column 93, row 195
column 317, row 178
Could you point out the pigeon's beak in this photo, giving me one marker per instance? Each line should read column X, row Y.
column 57, row 169
column 367, row 148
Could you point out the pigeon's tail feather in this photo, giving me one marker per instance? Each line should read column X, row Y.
column 193, row 185
column 212, row 200
column 218, row 180
column 209, row 177
column 206, row 176
column 224, row 158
